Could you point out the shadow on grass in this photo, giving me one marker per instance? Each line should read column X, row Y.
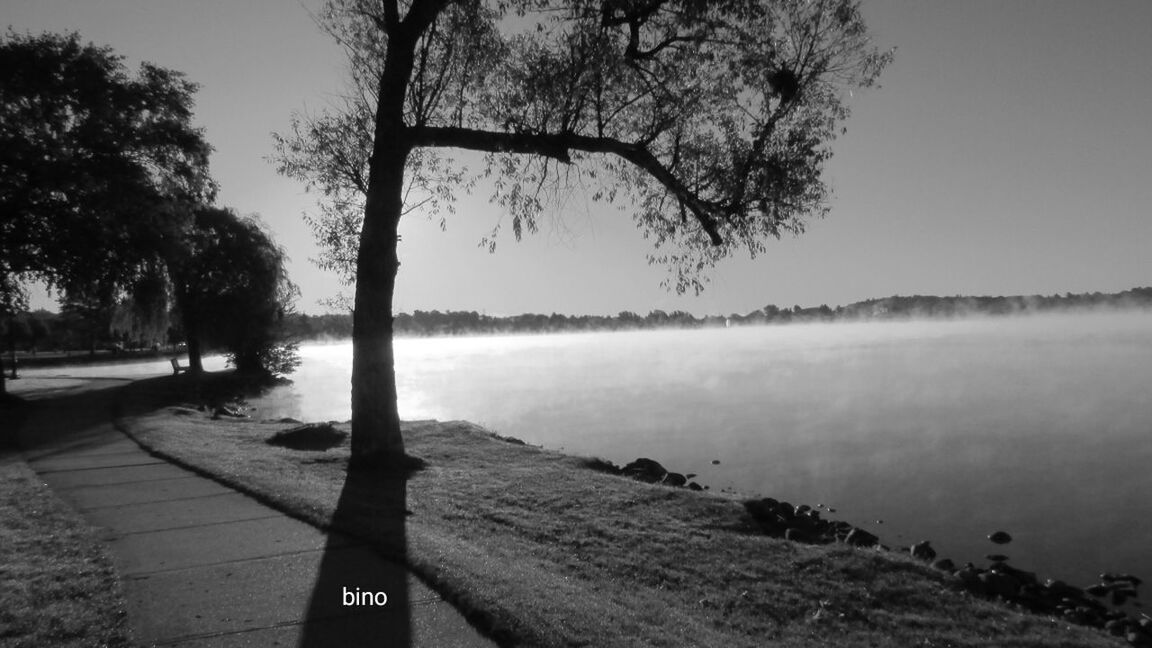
column 346, row 607
column 72, row 416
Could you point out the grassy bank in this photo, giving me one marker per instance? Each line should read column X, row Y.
column 57, row 586
column 540, row 550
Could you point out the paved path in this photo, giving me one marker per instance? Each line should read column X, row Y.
column 204, row 565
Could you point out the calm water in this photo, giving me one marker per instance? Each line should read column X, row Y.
column 947, row 431
column 944, row 430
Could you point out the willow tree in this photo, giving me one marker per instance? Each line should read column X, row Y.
column 709, row 120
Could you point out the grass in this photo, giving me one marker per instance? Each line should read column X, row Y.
column 540, row 550
column 57, row 586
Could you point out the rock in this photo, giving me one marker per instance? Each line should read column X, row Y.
column 969, row 576
column 999, row 584
column 1109, row 577
column 689, row 475
column 763, row 511
column 715, row 462
column 944, row 564
column 645, row 470
column 923, row 551
column 1020, row 574
column 1121, row 596
column 1031, row 595
column 1098, row 590
column 860, row 538
column 1116, row 628
column 997, row 557
column 694, row 486
column 1000, row 537
column 1059, row 588
column 313, row 436
column 601, row 465
column 674, row 479
column 289, row 419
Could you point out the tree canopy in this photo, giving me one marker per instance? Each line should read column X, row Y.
column 711, row 119
column 708, row 121
column 106, row 197
column 232, row 291
column 97, row 165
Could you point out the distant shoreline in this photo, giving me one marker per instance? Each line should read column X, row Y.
column 449, row 323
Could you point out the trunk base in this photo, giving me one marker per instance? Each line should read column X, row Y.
column 386, row 463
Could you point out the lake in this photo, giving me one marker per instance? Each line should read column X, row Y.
column 944, row 430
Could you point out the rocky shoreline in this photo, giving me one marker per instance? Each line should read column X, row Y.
column 1097, row 605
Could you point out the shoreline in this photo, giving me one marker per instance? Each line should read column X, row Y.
column 481, row 491
column 310, row 484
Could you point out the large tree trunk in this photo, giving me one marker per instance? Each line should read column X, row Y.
column 376, row 419
column 376, row 439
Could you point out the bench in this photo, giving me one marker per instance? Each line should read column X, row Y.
column 176, row 368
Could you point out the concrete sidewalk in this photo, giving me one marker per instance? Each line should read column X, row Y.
column 204, row 565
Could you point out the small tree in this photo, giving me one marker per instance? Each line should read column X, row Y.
column 232, row 291
column 713, row 117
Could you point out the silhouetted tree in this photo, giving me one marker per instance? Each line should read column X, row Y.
column 89, row 313
column 97, row 166
column 232, row 291
column 714, row 117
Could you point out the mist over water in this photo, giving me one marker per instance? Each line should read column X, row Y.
column 945, row 430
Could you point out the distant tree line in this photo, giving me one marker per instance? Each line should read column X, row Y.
column 441, row 323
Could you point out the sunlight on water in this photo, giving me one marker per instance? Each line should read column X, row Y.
column 944, row 430
column 1041, row 426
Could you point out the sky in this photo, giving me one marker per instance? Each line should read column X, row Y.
column 1008, row 150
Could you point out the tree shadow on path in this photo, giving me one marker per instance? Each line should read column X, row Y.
column 346, row 607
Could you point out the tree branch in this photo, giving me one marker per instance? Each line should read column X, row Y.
column 559, row 146
column 391, row 17
column 421, row 15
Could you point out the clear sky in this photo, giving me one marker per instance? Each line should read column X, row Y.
column 1008, row 151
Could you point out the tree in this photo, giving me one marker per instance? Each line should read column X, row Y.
column 713, row 118
column 232, row 291
column 97, row 166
